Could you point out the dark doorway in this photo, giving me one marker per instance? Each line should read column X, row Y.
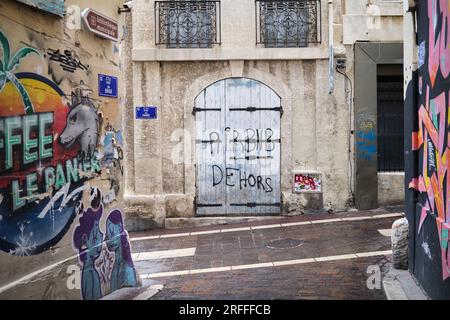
column 390, row 118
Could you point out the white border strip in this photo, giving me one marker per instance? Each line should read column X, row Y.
column 268, row 264
column 269, row 226
column 151, row 255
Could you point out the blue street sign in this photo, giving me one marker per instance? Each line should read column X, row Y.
column 422, row 51
column 147, row 112
column 107, row 86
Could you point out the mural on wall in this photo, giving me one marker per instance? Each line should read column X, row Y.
column 431, row 141
column 55, row 152
column 105, row 256
column 40, row 182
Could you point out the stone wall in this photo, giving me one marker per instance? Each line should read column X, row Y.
column 164, row 148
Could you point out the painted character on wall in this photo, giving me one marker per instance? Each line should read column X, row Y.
column 82, row 124
column 87, row 239
column 123, row 273
column 105, row 257
column 38, row 176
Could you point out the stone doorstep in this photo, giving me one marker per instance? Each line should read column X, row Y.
column 401, row 285
column 178, row 223
column 148, row 289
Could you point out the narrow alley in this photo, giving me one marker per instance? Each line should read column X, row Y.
column 306, row 257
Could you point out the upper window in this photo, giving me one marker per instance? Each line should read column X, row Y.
column 291, row 23
column 188, row 24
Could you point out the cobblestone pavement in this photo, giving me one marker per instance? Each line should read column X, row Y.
column 322, row 256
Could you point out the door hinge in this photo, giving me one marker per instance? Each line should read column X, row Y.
column 254, row 204
column 195, row 110
column 251, row 158
column 208, row 205
column 253, row 109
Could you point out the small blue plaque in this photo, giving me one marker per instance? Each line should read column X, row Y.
column 147, row 112
column 107, row 86
column 422, row 51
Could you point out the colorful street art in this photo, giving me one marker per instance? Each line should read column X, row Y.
column 39, row 179
column 432, row 141
column 105, row 257
column 54, row 154
column 310, row 182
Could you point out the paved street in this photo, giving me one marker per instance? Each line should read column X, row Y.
column 308, row 257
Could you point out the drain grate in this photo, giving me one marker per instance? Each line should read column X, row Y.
column 285, row 243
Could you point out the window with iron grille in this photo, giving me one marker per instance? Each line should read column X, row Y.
column 291, row 23
column 390, row 118
column 187, row 24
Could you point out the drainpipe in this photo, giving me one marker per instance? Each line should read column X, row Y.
column 331, row 50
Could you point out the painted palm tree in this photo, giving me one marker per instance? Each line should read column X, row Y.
column 7, row 66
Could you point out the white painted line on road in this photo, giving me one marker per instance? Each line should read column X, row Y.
column 336, row 258
column 385, row 232
column 268, row 264
column 151, row 255
column 145, row 238
column 252, row 266
column 356, row 218
column 388, row 215
column 235, row 229
column 270, row 226
column 174, row 235
column 291, row 262
column 326, row 221
column 204, row 232
column 292, row 224
column 373, row 254
column 165, row 274
column 209, row 270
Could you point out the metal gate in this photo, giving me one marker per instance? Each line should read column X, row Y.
column 238, row 148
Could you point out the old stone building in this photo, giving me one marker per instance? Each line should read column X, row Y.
column 234, row 108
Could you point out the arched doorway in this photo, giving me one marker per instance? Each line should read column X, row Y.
column 238, row 148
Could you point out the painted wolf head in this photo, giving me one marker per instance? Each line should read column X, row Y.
column 82, row 124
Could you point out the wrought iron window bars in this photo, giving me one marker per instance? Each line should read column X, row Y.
column 288, row 23
column 187, row 24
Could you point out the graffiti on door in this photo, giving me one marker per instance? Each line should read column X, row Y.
column 238, row 148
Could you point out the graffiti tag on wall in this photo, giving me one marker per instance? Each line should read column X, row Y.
column 66, row 60
column 431, row 141
column 366, row 140
column 307, row 182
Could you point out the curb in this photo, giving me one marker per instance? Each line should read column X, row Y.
column 401, row 285
column 148, row 290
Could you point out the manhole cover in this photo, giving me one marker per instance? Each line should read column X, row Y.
column 284, row 243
